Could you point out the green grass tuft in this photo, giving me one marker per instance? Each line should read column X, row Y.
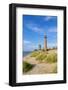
column 35, row 53
column 55, row 69
column 26, row 66
column 51, row 58
column 41, row 57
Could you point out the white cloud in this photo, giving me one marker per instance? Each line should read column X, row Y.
column 39, row 30
column 53, row 29
column 35, row 28
column 26, row 42
column 48, row 18
column 51, row 45
column 29, row 46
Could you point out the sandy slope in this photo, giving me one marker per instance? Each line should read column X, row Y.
column 40, row 68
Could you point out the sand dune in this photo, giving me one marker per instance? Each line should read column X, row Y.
column 40, row 68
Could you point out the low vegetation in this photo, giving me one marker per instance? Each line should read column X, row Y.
column 41, row 57
column 55, row 69
column 45, row 56
column 51, row 58
column 26, row 66
column 35, row 53
column 47, row 60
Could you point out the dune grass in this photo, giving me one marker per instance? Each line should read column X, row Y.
column 51, row 58
column 26, row 66
column 44, row 56
column 55, row 69
column 41, row 57
column 35, row 53
column 47, row 57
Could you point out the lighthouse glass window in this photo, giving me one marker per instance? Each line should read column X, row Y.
column 39, row 55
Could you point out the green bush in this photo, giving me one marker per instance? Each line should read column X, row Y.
column 51, row 58
column 45, row 56
column 41, row 57
column 26, row 66
column 35, row 53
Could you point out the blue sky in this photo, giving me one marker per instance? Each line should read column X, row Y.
column 35, row 27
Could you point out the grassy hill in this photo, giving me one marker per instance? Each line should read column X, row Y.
column 48, row 56
column 40, row 56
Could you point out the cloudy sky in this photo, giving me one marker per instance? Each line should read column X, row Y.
column 35, row 27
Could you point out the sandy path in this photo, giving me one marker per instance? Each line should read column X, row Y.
column 31, row 60
column 40, row 68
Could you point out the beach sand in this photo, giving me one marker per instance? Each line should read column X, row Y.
column 40, row 67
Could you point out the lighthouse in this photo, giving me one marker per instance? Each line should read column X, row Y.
column 45, row 42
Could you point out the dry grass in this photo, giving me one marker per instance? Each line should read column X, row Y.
column 44, row 62
column 49, row 56
column 26, row 66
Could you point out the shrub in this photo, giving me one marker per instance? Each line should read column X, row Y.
column 51, row 58
column 26, row 66
column 35, row 53
column 41, row 57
